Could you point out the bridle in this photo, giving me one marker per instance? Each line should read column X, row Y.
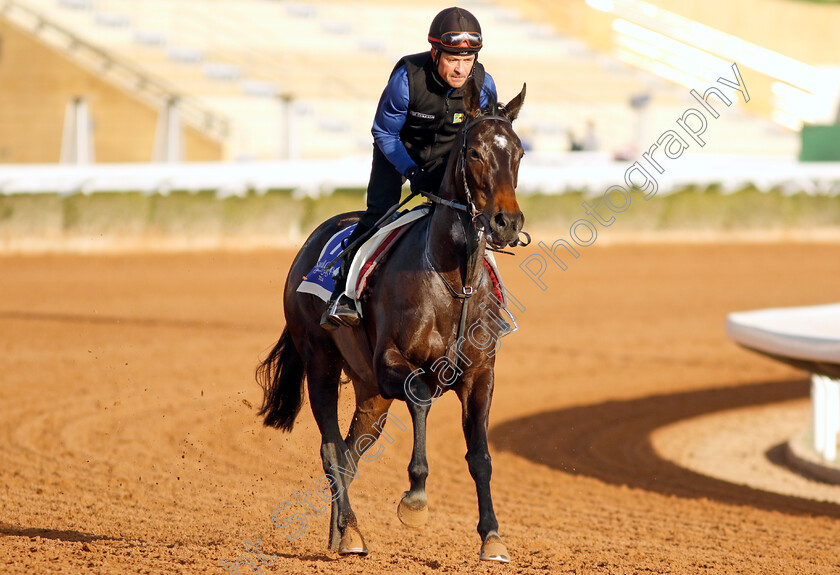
column 480, row 221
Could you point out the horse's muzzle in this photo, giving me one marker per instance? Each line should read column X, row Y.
column 505, row 228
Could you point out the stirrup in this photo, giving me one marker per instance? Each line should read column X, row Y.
column 333, row 318
column 328, row 322
column 346, row 314
column 505, row 327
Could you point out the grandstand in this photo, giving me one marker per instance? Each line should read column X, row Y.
column 273, row 79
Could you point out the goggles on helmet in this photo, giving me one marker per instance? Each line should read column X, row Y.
column 459, row 40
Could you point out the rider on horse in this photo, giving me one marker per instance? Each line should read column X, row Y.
column 415, row 126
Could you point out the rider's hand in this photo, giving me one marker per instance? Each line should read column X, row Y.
column 421, row 180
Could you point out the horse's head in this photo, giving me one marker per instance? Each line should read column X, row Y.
column 489, row 167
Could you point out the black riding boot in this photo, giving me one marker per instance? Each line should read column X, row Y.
column 341, row 310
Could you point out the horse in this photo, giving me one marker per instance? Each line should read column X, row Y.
column 410, row 345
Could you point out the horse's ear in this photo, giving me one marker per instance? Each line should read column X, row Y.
column 472, row 98
column 511, row 109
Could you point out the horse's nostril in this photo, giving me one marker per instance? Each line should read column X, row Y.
column 500, row 220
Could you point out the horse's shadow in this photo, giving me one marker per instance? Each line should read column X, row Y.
column 307, row 557
column 70, row 536
column 611, row 442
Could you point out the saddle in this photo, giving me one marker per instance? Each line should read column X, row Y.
column 320, row 280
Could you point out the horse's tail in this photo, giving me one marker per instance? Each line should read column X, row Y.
column 281, row 377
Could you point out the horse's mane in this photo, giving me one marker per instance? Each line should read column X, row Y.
column 492, row 109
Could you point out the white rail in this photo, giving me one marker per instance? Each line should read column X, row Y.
column 591, row 172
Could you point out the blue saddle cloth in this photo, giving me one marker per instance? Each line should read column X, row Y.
column 320, row 280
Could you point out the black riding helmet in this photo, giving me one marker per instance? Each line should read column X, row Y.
column 455, row 31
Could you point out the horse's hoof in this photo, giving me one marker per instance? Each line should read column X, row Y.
column 494, row 550
column 352, row 542
column 414, row 518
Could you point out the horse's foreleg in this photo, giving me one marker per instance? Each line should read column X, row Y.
column 396, row 379
column 476, row 410
column 413, row 509
column 339, row 467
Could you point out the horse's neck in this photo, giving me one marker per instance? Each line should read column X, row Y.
column 453, row 248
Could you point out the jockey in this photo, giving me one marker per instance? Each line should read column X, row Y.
column 416, row 123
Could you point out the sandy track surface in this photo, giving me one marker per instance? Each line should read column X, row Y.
column 748, row 446
column 129, row 441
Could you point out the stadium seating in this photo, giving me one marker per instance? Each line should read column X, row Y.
column 311, row 72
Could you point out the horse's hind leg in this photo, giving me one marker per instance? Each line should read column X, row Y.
column 368, row 423
column 339, row 467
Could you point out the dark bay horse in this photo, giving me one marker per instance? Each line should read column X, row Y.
column 407, row 345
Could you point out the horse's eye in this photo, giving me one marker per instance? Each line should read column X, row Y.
column 474, row 155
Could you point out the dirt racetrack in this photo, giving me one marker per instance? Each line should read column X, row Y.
column 129, row 441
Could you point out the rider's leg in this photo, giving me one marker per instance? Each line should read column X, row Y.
column 384, row 189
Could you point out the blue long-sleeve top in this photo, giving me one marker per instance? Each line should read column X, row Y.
column 393, row 110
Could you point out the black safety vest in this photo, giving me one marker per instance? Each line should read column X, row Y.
column 434, row 113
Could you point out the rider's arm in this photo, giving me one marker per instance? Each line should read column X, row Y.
column 488, row 91
column 389, row 120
